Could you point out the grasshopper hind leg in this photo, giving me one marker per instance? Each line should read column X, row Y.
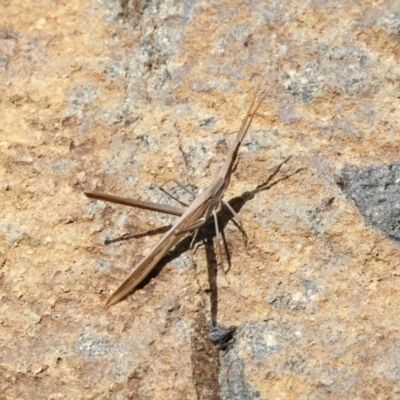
column 220, row 246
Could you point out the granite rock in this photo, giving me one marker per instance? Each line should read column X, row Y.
column 122, row 96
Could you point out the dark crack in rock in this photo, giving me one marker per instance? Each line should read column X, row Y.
column 376, row 192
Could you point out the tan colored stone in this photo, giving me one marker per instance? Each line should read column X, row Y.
column 118, row 96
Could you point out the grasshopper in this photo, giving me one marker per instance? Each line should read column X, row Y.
column 190, row 218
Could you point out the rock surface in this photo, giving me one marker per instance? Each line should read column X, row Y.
column 118, row 96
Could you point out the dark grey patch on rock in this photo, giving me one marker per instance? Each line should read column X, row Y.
column 95, row 346
column 189, row 11
column 376, row 192
column 259, row 341
column 285, row 302
column 305, row 86
column 115, row 69
column 311, row 289
column 60, row 166
column 233, row 384
column 391, row 22
column 79, row 98
column 260, row 139
column 3, row 63
column 207, row 122
column 355, row 75
column 102, row 266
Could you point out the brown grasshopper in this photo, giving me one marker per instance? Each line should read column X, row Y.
column 190, row 219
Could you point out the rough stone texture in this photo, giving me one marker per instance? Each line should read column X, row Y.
column 120, row 95
column 376, row 191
